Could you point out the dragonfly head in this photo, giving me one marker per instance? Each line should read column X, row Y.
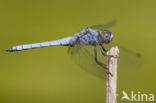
column 107, row 36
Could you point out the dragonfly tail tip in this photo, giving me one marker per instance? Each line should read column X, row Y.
column 9, row 50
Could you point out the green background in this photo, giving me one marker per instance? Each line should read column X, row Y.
column 49, row 75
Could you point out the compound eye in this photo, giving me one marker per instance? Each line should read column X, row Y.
column 107, row 36
column 107, row 32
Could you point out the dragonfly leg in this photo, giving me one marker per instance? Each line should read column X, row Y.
column 100, row 63
column 103, row 50
column 96, row 59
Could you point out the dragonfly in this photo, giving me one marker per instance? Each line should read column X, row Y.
column 83, row 45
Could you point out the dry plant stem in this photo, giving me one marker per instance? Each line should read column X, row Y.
column 111, row 81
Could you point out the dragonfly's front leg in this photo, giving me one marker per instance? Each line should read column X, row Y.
column 103, row 50
column 96, row 59
column 100, row 63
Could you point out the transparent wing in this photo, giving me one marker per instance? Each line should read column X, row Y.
column 130, row 59
column 102, row 27
column 84, row 57
column 127, row 57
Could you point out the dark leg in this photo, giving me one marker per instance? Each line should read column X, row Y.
column 100, row 63
column 96, row 59
column 103, row 50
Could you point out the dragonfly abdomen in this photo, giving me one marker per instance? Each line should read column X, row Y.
column 64, row 41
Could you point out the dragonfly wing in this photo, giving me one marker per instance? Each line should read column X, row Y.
column 84, row 57
column 127, row 57
column 104, row 26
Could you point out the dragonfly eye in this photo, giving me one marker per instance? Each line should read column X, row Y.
column 107, row 36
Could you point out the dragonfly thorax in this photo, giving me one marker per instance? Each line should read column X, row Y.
column 107, row 36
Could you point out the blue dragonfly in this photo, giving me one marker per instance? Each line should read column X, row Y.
column 84, row 45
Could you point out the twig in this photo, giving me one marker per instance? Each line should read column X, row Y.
column 111, row 81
